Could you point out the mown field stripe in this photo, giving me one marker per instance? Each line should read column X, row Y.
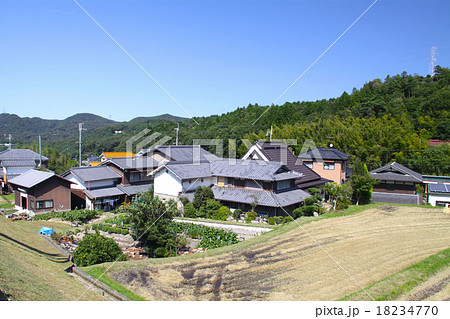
column 392, row 287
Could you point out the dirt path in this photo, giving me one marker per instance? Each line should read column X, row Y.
column 370, row 246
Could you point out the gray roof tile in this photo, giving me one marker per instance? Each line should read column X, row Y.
column 396, row 172
column 95, row 173
column 21, row 154
column 31, row 178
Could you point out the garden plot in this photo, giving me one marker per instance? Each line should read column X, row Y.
column 296, row 265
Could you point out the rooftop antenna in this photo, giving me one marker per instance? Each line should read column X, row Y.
column 177, row 129
column 433, row 60
column 80, row 129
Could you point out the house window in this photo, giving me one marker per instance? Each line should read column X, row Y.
column 43, row 204
column 328, row 165
column 283, row 184
column 308, row 164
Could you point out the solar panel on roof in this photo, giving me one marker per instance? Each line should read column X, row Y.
column 440, row 188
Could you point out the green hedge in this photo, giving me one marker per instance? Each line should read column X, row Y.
column 81, row 215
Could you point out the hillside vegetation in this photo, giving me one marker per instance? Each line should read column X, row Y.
column 294, row 263
column 384, row 120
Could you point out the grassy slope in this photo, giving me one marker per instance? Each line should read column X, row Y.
column 401, row 283
column 32, row 269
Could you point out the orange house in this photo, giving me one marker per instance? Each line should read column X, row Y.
column 329, row 163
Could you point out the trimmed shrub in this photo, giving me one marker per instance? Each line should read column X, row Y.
column 271, row 221
column 95, row 249
column 278, row 219
column 222, row 213
column 251, row 216
column 287, row 219
column 313, row 191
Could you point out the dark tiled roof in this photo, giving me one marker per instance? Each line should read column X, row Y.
column 131, row 190
column 183, row 153
column 264, row 198
column 20, row 155
column 134, row 163
column 19, row 163
column 278, row 152
column 324, row 154
column 408, row 199
column 396, row 172
column 188, row 170
column 104, row 192
column 252, row 169
column 94, row 173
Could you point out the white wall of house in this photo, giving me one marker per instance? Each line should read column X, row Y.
column 77, row 184
column 433, row 198
column 89, row 185
column 167, row 183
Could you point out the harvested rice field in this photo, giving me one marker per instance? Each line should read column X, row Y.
column 322, row 260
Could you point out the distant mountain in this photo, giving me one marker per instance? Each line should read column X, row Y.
column 26, row 129
column 165, row 117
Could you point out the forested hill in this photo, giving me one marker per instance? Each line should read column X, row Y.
column 384, row 120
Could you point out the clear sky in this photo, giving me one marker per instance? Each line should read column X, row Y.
column 211, row 56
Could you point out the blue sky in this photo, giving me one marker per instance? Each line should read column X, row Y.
column 212, row 56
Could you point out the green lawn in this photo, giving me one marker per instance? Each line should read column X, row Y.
column 97, row 273
column 392, row 287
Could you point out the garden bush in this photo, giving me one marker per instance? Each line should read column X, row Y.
column 237, row 214
column 278, row 219
column 190, row 211
column 251, row 216
column 95, row 249
column 222, row 213
column 287, row 219
column 271, row 221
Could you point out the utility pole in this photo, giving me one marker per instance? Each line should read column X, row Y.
column 177, row 129
column 80, row 129
column 40, row 152
column 9, row 144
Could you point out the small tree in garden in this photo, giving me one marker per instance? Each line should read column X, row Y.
column 362, row 183
column 95, row 249
column 201, row 196
column 254, row 203
column 237, row 214
column 190, row 211
column 337, row 193
column 149, row 221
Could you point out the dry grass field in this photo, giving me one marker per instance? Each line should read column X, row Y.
column 296, row 265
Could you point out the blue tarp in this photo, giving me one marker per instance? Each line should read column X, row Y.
column 46, row 231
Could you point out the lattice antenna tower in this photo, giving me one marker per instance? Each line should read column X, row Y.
column 433, row 60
